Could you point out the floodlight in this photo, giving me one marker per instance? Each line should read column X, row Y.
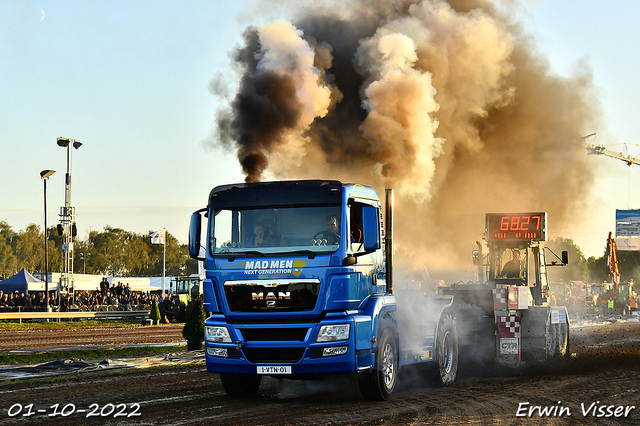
column 46, row 173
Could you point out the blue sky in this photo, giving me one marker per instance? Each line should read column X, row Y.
column 130, row 81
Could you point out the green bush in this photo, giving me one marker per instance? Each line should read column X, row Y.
column 193, row 329
column 154, row 314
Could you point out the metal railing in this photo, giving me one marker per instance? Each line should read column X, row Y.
column 20, row 316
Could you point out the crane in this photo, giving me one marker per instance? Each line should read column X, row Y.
column 612, row 264
column 611, row 250
column 601, row 150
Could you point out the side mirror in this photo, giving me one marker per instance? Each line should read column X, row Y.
column 370, row 228
column 195, row 229
column 565, row 257
column 476, row 257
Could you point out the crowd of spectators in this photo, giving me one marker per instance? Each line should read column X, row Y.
column 116, row 297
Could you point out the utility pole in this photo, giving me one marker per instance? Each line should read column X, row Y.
column 45, row 174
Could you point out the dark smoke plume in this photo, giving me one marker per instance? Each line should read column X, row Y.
column 447, row 102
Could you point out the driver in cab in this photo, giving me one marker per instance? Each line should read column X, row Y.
column 332, row 234
column 512, row 268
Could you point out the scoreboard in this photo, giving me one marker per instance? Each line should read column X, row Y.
column 516, row 226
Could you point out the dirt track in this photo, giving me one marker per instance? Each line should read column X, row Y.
column 605, row 368
column 166, row 333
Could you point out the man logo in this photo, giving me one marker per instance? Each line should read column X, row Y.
column 271, row 297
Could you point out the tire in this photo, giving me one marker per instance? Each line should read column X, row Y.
column 552, row 341
column 561, row 340
column 446, row 364
column 240, row 385
column 378, row 383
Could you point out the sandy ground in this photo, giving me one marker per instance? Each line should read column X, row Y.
column 39, row 340
column 604, row 370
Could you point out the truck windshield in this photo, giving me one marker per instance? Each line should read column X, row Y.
column 265, row 231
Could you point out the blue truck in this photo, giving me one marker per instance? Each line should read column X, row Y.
column 299, row 285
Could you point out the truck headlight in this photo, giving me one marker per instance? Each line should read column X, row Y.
column 216, row 334
column 333, row 333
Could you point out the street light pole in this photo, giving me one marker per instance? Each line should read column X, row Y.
column 68, row 221
column 45, row 174
column 84, row 257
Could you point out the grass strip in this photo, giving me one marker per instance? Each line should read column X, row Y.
column 67, row 325
column 115, row 352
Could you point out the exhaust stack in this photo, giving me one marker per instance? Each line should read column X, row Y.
column 388, row 238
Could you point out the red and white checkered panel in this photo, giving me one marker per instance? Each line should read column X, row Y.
column 500, row 298
column 509, row 326
column 508, row 339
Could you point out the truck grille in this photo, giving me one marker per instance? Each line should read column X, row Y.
column 272, row 355
column 272, row 295
column 274, row 334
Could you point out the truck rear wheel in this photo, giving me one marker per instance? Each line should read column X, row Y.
column 378, row 384
column 240, row 385
column 446, row 363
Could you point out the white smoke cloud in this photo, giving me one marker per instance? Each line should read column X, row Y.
column 400, row 125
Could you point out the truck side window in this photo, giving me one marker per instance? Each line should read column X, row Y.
column 355, row 226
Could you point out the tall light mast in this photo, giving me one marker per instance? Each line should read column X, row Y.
column 67, row 226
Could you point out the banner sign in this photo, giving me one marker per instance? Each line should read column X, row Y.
column 628, row 244
column 627, row 224
column 627, row 229
column 628, row 216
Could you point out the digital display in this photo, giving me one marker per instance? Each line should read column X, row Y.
column 516, row 226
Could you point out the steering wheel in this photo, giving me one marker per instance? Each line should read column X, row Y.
column 326, row 234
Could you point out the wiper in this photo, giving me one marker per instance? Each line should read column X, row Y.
column 312, row 254
column 232, row 256
column 252, row 253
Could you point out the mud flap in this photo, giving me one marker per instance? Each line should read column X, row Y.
column 508, row 339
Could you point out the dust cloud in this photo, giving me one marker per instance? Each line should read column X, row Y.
column 449, row 103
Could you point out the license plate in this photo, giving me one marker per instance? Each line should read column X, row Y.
column 509, row 346
column 274, row 369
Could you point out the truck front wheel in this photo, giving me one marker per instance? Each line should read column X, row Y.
column 446, row 365
column 378, row 384
column 240, row 385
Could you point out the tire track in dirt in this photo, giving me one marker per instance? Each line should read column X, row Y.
column 25, row 340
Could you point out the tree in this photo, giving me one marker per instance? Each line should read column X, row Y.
column 193, row 330
column 8, row 261
column 136, row 256
column 598, row 271
column 576, row 270
column 112, row 251
column 30, row 249
column 190, row 264
column 629, row 265
column 108, row 250
column 154, row 314
column 54, row 244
